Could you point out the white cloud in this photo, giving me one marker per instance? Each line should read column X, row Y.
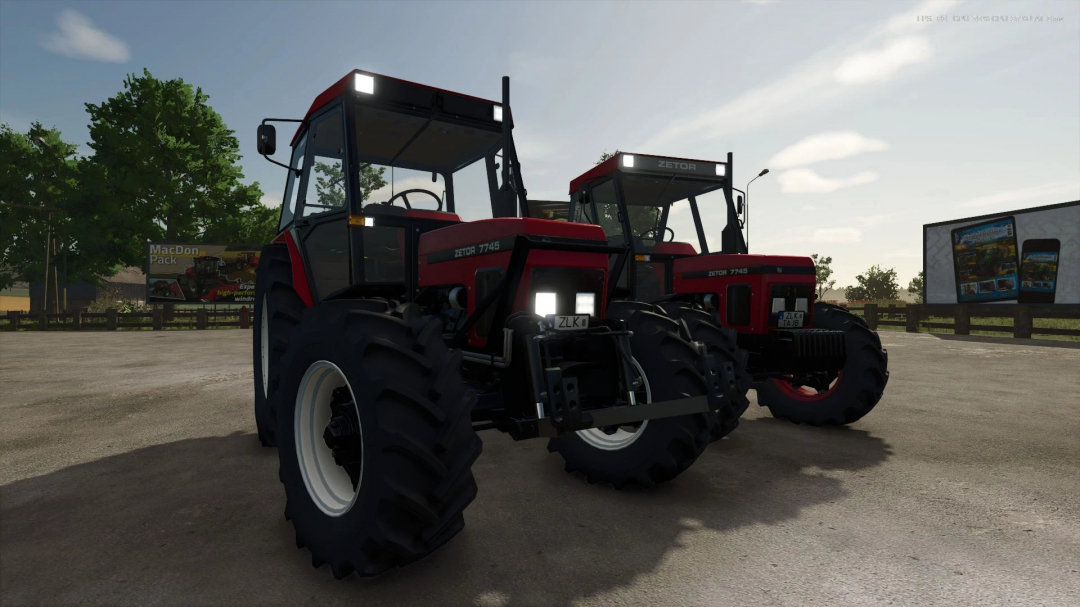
column 809, row 85
column 826, row 146
column 78, row 38
column 1069, row 189
column 836, row 235
column 807, row 181
column 271, row 200
column 882, row 64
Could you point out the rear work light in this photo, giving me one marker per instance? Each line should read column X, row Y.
column 628, row 160
column 364, row 83
column 721, row 170
column 498, row 113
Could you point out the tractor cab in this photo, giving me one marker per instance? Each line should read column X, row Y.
column 634, row 198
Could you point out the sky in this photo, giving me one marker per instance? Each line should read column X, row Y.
column 873, row 118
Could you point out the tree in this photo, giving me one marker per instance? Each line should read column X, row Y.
column 823, row 267
column 915, row 287
column 877, row 283
column 165, row 164
column 253, row 224
column 37, row 186
column 330, row 183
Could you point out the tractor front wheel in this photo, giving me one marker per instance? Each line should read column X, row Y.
column 705, row 326
column 375, row 437
column 839, row 398
column 277, row 310
column 656, row 450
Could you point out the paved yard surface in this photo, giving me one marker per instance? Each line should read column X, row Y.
column 130, row 475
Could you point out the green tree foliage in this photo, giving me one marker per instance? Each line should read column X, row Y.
column 254, row 224
column 165, row 165
column 37, row 187
column 823, row 267
column 330, row 183
column 915, row 287
column 877, row 283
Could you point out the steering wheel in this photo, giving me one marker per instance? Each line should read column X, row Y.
column 404, row 196
column 655, row 230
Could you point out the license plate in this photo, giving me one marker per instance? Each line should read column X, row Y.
column 575, row 322
column 790, row 320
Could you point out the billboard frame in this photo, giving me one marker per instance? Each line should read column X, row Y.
column 990, row 216
column 146, row 270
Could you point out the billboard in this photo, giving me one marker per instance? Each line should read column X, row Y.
column 1026, row 256
column 201, row 273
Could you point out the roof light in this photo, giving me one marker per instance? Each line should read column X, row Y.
column 628, row 160
column 363, row 83
column 498, row 113
column 721, row 170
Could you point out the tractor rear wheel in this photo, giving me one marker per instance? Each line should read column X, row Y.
column 375, row 437
column 277, row 311
column 840, row 398
column 705, row 326
column 657, row 450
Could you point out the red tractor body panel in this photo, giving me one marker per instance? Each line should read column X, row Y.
column 714, row 273
column 299, row 274
column 455, row 255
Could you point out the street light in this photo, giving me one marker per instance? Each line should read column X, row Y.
column 747, row 217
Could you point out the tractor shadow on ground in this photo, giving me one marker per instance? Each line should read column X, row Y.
column 200, row 521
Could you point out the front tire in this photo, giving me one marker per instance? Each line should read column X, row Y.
column 705, row 326
column 656, row 450
column 851, row 393
column 277, row 310
column 375, row 438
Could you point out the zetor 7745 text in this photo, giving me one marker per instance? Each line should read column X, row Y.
column 389, row 334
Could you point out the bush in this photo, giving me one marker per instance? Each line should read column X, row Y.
column 109, row 299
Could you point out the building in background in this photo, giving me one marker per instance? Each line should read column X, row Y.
column 129, row 284
column 15, row 299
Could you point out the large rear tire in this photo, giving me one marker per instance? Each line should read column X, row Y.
column 277, row 311
column 656, row 450
column 375, row 438
column 705, row 326
column 851, row 393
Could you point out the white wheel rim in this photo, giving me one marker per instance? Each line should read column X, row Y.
column 327, row 483
column 264, row 348
column 621, row 438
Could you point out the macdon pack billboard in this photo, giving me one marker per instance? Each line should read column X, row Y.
column 1026, row 256
column 201, row 273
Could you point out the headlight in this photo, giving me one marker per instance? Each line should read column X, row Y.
column 585, row 304
column 364, row 83
column 546, row 303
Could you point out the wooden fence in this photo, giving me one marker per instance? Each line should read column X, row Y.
column 915, row 317
column 111, row 320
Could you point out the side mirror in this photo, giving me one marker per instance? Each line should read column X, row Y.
column 267, row 139
column 739, row 205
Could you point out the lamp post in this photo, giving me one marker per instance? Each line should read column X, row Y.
column 761, row 174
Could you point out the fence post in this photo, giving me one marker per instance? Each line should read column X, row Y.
column 870, row 316
column 1022, row 324
column 43, row 321
column 76, row 319
column 110, row 319
column 200, row 318
column 159, row 318
column 962, row 322
column 243, row 317
column 13, row 318
column 911, row 318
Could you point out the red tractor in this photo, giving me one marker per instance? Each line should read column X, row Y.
column 389, row 335
column 204, row 271
column 810, row 362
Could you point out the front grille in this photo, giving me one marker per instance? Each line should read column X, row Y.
column 809, row 349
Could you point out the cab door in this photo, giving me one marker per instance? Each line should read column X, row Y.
column 322, row 208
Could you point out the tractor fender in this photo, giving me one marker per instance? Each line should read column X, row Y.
column 296, row 263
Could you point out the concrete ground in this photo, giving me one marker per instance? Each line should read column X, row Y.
column 130, row 475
